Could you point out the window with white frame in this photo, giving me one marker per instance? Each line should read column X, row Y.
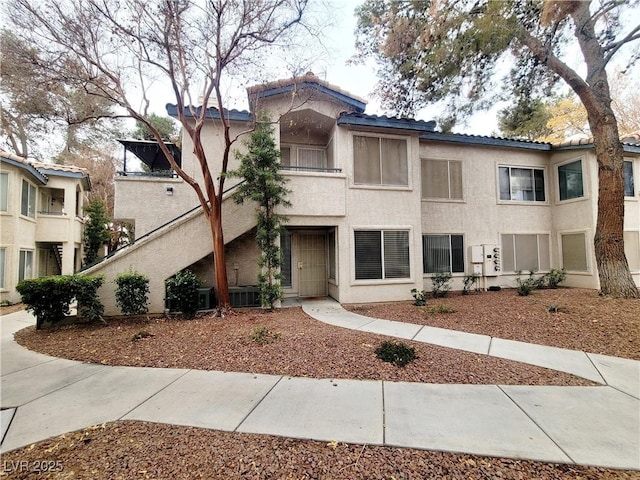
column 381, row 254
column 380, row 161
column 28, row 204
column 574, row 252
column 525, row 252
column 521, row 184
column 3, row 259
column 4, row 192
column 632, row 250
column 442, row 179
column 629, row 184
column 570, row 181
column 442, row 253
column 25, row 265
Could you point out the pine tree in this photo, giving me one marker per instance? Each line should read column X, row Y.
column 264, row 184
column 96, row 230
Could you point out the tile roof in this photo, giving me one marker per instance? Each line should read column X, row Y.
column 40, row 170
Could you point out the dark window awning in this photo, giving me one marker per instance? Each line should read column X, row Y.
column 149, row 152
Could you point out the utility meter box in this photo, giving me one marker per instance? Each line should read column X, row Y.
column 491, row 260
column 477, row 254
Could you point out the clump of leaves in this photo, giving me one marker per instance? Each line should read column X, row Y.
column 140, row 335
column 467, row 282
column 441, row 283
column 400, row 354
column 419, row 297
column 262, row 335
column 555, row 277
column 527, row 285
column 436, row 309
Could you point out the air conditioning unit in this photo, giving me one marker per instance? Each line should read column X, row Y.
column 492, row 260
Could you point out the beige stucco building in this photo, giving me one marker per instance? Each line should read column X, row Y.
column 40, row 220
column 379, row 205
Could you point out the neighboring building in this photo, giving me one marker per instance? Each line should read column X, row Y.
column 379, row 204
column 40, row 220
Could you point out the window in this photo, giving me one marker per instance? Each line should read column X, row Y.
column 521, row 184
column 632, row 250
column 629, row 187
column 305, row 157
column 332, row 254
column 381, row 254
column 570, row 180
column 442, row 253
column 28, row 205
column 25, row 266
column 4, row 192
column 525, row 252
column 574, row 252
column 442, row 179
column 380, row 161
column 3, row 258
column 285, row 268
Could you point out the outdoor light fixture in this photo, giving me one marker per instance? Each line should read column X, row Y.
column 169, row 191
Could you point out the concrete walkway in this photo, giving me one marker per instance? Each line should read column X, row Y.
column 44, row 396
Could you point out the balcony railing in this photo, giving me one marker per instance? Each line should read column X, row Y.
column 296, row 168
column 160, row 174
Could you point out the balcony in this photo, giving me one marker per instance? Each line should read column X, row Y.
column 315, row 192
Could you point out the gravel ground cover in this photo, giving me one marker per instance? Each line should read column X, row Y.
column 301, row 346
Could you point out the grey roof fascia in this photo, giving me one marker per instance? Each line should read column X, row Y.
column 361, row 120
column 67, row 174
column 37, row 174
column 353, row 102
column 212, row 113
column 484, row 141
column 627, row 147
column 631, row 148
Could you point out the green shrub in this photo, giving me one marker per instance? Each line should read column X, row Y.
column 132, row 293
column 400, row 354
column 467, row 282
column 525, row 286
column 48, row 298
column 262, row 335
column 89, row 305
column 441, row 284
column 555, row 277
column 182, row 293
column 419, row 297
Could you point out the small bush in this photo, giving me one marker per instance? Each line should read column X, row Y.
column 467, row 282
column 526, row 286
column 89, row 305
column 48, row 298
column 132, row 293
column 400, row 354
column 262, row 336
column 441, row 284
column 555, row 277
column 182, row 292
column 440, row 309
column 419, row 297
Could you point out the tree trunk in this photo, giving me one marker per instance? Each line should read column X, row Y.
column 613, row 269
column 220, row 265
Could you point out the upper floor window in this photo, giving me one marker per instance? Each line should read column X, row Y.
column 4, row 192
column 629, row 187
column 311, row 158
column 28, row 204
column 380, row 161
column 521, row 184
column 442, row 179
column 442, row 253
column 570, row 180
column 381, row 254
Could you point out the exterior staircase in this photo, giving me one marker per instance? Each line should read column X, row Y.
column 169, row 249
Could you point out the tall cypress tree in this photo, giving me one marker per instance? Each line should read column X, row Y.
column 96, row 230
column 264, row 184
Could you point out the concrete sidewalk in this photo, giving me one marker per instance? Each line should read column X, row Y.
column 43, row 396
